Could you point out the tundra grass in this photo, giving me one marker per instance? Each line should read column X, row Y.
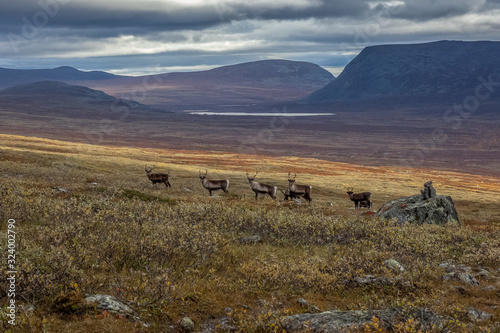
column 177, row 252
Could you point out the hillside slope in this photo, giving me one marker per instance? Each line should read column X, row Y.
column 431, row 72
column 242, row 84
column 53, row 98
column 265, row 81
column 12, row 77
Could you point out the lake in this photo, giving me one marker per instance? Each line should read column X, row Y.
column 259, row 114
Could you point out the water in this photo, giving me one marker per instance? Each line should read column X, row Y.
column 259, row 114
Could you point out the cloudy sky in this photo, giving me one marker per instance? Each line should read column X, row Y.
column 149, row 36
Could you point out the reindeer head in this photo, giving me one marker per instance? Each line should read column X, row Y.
column 203, row 176
column 350, row 190
column 290, row 179
column 251, row 179
column 149, row 171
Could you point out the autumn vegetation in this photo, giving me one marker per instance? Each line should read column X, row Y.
column 177, row 252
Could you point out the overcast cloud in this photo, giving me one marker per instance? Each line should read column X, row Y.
column 142, row 37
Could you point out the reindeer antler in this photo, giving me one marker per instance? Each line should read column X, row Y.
column 295, row 176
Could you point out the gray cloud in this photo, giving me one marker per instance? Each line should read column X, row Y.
column 422, row 10
column 130, row 35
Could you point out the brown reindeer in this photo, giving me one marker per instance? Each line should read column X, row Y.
column 261, row 187
column 158, row 177
column 213, row 185
column 299, row 190
column 363, row 198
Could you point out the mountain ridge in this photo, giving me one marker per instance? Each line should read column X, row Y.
column 261, row 81
column 432, row 72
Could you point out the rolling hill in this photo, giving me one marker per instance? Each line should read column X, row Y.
column 242, row 84
column 12, row 77
column 58, row 99
column 432, row 72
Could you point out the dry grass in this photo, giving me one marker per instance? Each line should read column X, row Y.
column 176, row 252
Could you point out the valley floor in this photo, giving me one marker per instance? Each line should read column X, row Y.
column 420, row 138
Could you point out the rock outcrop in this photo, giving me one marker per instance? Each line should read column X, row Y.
column 438, row 210
column 339, row 321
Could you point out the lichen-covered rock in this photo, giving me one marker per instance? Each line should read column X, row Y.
column 463, row 277
column 251, row 239
column 340, row 321
column 113, row 305
column 478, row 315
column 439, row 210
column 394, row 266
column 187, row 324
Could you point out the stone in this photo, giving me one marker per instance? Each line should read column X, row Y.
column 340, row 321
column 251, row 239
column 303, row 302
column 439, row 210
column 463, row 277
column 482, row 273
column 60, row 189
column 310, row 307
column 187, row 324
column 113, row 305
column 394, row 266
column 478, row 315
column 448, row 267
column 489, row 288
column 226, row 324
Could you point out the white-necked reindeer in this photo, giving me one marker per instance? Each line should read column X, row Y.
column 213, row 185
column 261, row 187
column 158, row 177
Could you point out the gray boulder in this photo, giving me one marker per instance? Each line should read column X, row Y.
column 340, row 321
column 478, row 315
column 438, row 210
column 113, row 305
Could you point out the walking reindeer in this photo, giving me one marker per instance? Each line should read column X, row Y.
column 158, row 177
column 213, row 185
column 261, row 187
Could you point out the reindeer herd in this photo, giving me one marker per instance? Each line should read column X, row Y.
column 294, row 190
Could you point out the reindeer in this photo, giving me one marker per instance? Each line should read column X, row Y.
column 158, row 177
column 363, row 198
column 213, row 185
column 261, row 187
column 299, row 190
column 288, row 195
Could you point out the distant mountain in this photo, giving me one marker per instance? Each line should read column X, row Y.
column 433, row 72
column 54, row 88
column 265, row 81
column 273, row 72
column 248, row 83
column 49, row 98
column 11, row 77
